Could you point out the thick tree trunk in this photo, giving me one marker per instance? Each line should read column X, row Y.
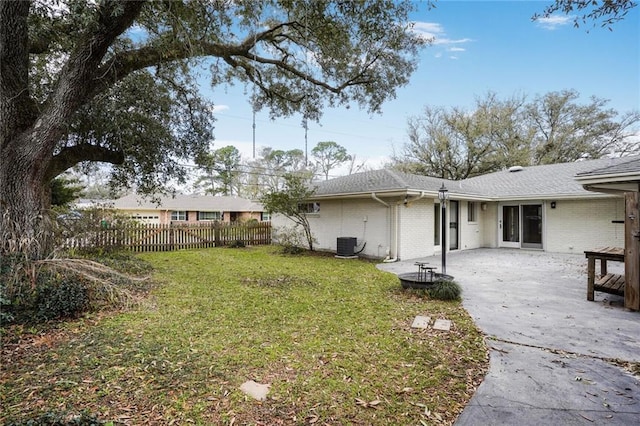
column 25, row 224
column 29, row 134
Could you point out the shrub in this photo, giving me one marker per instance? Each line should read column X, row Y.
column 48, row 289
column 60, row 419
column 5, row 304
column 292, row 240
column 237, row 244
column 445, row 290
column 64, row 296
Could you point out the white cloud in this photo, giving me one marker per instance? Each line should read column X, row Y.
column 453, row 57
column 219, row 108
column 447, row 41
column 436, row 34
column 554, row 21
column 427, row 30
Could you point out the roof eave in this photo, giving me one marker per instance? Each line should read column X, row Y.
column 559, row 196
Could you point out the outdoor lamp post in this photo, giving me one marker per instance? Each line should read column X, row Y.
column 442, row 196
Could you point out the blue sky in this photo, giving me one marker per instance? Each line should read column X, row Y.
column 479, row 46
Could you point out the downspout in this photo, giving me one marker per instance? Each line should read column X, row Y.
column 390, row 214
column 375, row 197
column 417, row 197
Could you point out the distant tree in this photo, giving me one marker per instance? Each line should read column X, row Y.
column 328, row 155
column 456, row 144
column 605, row 12
column 220, row 171
column 266, row 173
column 64, row 190
column 290, row 201
column 356, row 166
column 567, row 131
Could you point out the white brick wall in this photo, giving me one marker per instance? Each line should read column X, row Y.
column 346, row 218
column 416, row 229
column 572, row 227
column 578, row 225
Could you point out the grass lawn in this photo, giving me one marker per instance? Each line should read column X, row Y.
column 331, row 336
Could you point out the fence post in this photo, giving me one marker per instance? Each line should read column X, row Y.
column 216, row 234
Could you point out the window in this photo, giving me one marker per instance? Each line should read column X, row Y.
column 209, row 216
column 179, row 215
column 472, row 211
column 309, row 207
column 265, row 216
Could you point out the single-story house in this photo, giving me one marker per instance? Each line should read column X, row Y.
column 397, row 215
column 189, row 209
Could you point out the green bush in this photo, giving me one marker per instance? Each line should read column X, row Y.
column 60, row 419
column 5, row 304
column 50, row 289
column 61, row 296
column 291, row 240
column 237, row 244
column 445, row 290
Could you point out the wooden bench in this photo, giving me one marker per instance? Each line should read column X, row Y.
column 605, row 282
column 610, row 283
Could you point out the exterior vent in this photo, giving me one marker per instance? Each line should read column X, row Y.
column 514, row 169
column 346, row 246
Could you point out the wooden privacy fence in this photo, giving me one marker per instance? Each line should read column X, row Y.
column 156, row 237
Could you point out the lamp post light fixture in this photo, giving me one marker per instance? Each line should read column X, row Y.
column 443, row 196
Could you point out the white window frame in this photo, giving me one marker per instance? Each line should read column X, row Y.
column 472, row 212
column 179, row 215
column 309, row 208
column 209, row 216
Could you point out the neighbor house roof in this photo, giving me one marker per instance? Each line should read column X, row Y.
column 546, row 181
column 189, row 203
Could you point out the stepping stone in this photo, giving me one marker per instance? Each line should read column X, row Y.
column 421, row 322
column 442, row 324
column 255, row 390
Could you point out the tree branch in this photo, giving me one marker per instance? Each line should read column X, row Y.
column 236, row 55
column 70, row 156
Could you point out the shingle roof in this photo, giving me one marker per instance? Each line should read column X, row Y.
column 629, row 165
column 188, row 202
column 378, row 181
column 553, row 180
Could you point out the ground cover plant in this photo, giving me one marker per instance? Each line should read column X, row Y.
column 331, row 336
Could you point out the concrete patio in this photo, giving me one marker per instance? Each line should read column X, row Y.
column 551, row 350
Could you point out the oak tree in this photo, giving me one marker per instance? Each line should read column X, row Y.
column 115, row 81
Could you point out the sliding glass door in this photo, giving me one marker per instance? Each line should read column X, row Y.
column 520, row 225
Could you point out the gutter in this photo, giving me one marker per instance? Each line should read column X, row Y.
column 408, row 201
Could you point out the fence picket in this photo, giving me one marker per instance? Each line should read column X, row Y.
column 157, row 237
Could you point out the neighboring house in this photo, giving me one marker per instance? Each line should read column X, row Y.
column 190, row 209
column 396, row 215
